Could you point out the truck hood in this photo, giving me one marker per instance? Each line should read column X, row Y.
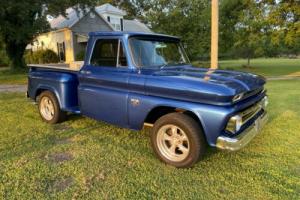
column 202, row 85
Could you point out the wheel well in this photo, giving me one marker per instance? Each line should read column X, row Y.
column 158, row 112
column 41, row 90
column 38, row 92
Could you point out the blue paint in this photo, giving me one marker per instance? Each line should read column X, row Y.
column 105, row 93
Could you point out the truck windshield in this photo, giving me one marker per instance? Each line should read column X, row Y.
column 149, row 53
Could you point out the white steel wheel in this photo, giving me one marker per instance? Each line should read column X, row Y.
column 178, row 140
column 173, row 143
column 47, row 108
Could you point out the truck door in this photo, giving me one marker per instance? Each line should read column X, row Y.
column 103, row 83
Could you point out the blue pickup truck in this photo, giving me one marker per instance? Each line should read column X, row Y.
column 134, row 80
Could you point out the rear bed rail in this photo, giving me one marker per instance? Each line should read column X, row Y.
column 76, row 66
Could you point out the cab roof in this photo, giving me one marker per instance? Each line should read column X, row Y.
column 131, row 34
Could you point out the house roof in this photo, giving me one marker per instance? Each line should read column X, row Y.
column 72, row 17
column 108, row 8
column 135, row 25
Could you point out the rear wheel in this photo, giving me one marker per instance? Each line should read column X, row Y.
column 177, row 140
column 49, row 108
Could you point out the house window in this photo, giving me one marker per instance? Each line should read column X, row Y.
column 122, row 24
column 61, row 51
column 116, row 23
column 108, row 53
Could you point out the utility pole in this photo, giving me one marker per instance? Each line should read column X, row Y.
column 214, row 34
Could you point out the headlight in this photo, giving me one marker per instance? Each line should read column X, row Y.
column 234, row 124
column 265, row 102
column 237, row 97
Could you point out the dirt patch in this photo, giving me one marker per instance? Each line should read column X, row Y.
column 21, row 162
column 89, row 181
column 130, row 163
column 63, row 141
column 61, row 185
column 59, row 157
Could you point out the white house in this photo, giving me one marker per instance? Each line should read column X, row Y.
column 68, row 36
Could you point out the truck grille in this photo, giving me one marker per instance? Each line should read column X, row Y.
column 250, row 112
column 239, row 120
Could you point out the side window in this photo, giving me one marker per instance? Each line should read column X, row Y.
column 108, row 53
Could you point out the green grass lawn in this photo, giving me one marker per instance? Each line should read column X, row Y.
column 262, row 66
column 85, row 159
column 8, row 77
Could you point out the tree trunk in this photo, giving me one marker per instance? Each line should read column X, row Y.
column 15, row 52
column 249, row 55
column 248, row 61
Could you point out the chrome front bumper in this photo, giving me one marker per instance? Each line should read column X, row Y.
column 238, row 142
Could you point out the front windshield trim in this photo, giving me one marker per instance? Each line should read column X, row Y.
column 184, row 53
column 166, row 39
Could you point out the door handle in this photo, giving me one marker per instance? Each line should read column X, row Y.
column 135, row 102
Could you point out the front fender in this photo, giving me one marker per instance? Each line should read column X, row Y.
column 212, row 118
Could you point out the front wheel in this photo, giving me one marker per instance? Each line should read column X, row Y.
column 49, row 108
column 177, row 140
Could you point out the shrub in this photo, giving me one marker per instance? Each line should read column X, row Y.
column 3, row 59
column 80, row 56
column 41, row 57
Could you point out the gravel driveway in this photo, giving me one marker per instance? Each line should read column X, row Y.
column 13, row 88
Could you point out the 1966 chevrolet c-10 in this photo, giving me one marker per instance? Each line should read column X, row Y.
column 134, row 79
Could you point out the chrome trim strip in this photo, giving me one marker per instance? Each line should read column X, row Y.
column 241, row 140
column 53, row 66
column 253, row 110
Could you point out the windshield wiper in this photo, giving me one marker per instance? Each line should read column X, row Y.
column 163, row 66
column 175, row 64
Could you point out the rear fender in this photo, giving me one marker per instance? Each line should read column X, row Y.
column 42, row 88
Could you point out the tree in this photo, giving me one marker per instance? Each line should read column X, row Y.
column 284, row 22
column 135, row 9
column 250, row 30
column 260, row 28
column 3, row 56
column 21, row 21
column 189, row 20
column 230, row 11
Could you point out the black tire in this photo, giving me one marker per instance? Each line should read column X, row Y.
column 197, row 143
column 58, row 115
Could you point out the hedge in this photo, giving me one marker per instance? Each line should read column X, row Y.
column 41, row 57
